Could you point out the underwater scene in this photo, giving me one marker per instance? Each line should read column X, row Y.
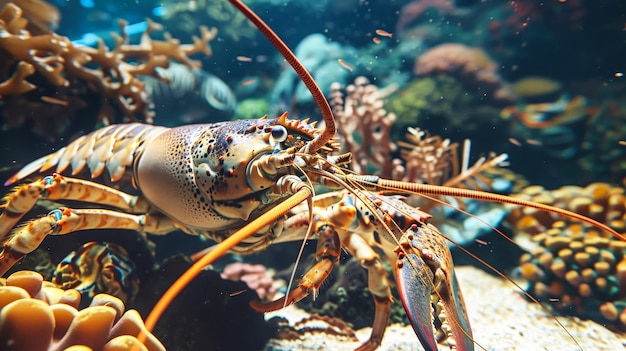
column 312, row 175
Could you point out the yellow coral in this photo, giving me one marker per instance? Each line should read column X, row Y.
column 34, row 315
column 577, row 268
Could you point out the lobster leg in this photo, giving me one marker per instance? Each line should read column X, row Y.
column 63, row 220
column 426, row 280
column 327, row 255
column 342, row 215
column 55, row 187
column 378, row 285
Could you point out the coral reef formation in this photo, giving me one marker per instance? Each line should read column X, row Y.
column 321, row 57
column 256, row 276
column 65, row 77
column 471, row 65
column 546, row 117
column 441, row 103
column 98, row 268
column 602, row 157
column 37, row 316
column 365, row 126
column 417, row 8
column 188, row 16
column 186, row 95
column 575, row 268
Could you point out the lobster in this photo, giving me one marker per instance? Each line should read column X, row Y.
column 248, row 184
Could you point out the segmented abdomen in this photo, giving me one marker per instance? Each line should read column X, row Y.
column 113, row 148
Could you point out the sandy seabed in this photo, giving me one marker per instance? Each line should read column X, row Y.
column 500, row 316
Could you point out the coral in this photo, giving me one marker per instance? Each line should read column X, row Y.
column 36, row 316
column 320, row 57
column 255, row 276
column 601, row 155
column 252, row 108
column 365, row 126
column 98, row 268
column 574, row 267
column 471, row 65
column 442, row 103
column 67, row 76
column 188, row 95
column 553, row 126
column 42, row 17
column 416, row 8
column 433, row 160
column 599, row 201
column 188, row 16
column 428, row 159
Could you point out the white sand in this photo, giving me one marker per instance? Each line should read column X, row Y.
column 501, row 320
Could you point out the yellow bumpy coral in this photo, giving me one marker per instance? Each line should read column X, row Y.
column 35, row 315
column 576, row 268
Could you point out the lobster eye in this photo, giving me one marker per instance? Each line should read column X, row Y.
column 279, row 134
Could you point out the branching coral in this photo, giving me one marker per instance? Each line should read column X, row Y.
column 362, row 116
column 366, row 129
column 187, row 16
column 36, row 316
column 576, row 268
column 69, row 72
column 42, row 17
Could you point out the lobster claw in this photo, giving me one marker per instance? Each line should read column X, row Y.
column 429, row 289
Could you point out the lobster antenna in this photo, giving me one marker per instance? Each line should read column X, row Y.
column 483, row 196
column 327, row 114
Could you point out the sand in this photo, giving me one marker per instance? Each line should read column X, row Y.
column 501, row 320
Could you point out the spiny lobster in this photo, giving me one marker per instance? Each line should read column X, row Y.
column 242, row 184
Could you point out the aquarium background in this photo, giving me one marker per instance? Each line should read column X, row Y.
column 540, row 81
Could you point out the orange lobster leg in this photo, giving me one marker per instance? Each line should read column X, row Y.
column 56, row 187
column 63, row 220
column 327, row 254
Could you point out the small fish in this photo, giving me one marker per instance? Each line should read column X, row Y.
column 345, row 65
column 533, row 142
column 54, row 101
column 514, row 142
column 376, row 40
column 235, row 293
column 481, row 242
column 622, row 142
column 244, row 59
column 384, row 33
column 248, row 82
